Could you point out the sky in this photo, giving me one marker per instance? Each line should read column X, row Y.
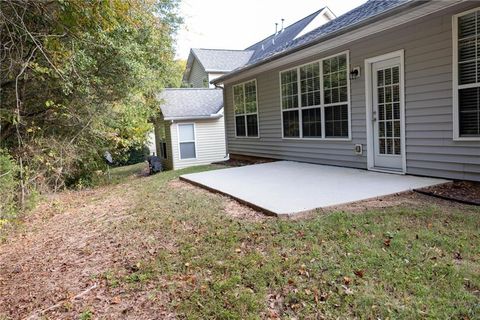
column 237, row 24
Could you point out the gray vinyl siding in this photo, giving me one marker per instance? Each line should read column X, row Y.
column 198, row 75
column 430, row 149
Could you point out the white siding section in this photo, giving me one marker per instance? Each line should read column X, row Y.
column 213, row 76
column 210, row 143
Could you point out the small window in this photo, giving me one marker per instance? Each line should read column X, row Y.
column 246, row 109
column 467, row 83
column 313, row 91
column 186, row 139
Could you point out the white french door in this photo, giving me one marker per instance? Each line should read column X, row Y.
column 386, row 137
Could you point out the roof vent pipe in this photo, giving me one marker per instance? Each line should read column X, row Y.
column 276, row 28
column 282, row 25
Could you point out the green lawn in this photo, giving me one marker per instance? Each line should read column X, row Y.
column 403, row 262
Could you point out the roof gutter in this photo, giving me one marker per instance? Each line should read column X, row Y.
column 212, row 116
column 389, row 13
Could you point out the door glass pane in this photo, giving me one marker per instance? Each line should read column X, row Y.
column 186, row 132
column 187, row 150
column 388, row 106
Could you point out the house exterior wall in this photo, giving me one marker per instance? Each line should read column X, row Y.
column 198, row 75
column 162, row 133
column 209, row 141
column 430, row 149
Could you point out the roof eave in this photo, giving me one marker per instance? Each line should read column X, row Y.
column 212, row 116
column 389, row 13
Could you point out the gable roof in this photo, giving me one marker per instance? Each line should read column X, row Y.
column 217, row 60
column 364, row 14
column 278, row 40
column 222, row 60
column 191, row 103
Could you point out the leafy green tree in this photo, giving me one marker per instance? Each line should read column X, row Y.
column 79, row 78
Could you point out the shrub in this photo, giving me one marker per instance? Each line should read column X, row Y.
column 8, row 186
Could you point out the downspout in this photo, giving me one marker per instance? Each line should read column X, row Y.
column 227, row 155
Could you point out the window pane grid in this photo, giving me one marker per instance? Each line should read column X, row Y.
column 310, row 85
column 388, row 96
column 469, row 75
column 302, row 113
column 289, row 87
column 245, row 104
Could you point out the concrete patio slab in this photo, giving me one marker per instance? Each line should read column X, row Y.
column 285, row 187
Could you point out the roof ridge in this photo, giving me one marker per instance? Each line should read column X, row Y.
column 171, row 89
column 233, row 50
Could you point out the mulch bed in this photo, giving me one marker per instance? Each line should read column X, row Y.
column 461, row 191
column 242, row 162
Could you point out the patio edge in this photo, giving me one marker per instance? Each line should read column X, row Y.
column 244, row 202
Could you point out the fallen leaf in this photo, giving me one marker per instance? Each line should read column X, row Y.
column 116, row 300
column 347, row 280
column 324, row 296
column 387, row 242
column 359, row 273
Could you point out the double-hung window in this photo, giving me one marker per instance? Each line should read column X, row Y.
column 186, row 141
column 246, row 109
column 315, row 99
column 467, row 80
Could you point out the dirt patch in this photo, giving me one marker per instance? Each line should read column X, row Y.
column 64, row 249
column 239, row 211
column 408, row 199
column 462, row 191
column 243, row 162
column 232, row 207
column 179, row 184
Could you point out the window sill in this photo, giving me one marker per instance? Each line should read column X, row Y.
column 241, row 137
column 463, row 139
column 320, row 139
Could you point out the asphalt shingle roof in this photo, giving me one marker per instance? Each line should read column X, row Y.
column 276, row 41
column 222, row 60
column 190, row 102
column 368, row 10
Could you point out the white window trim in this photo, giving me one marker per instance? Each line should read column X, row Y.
column 322, row 104
column 246, row 114
column 194, row 140
column 456, row 86
column 369, row 102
